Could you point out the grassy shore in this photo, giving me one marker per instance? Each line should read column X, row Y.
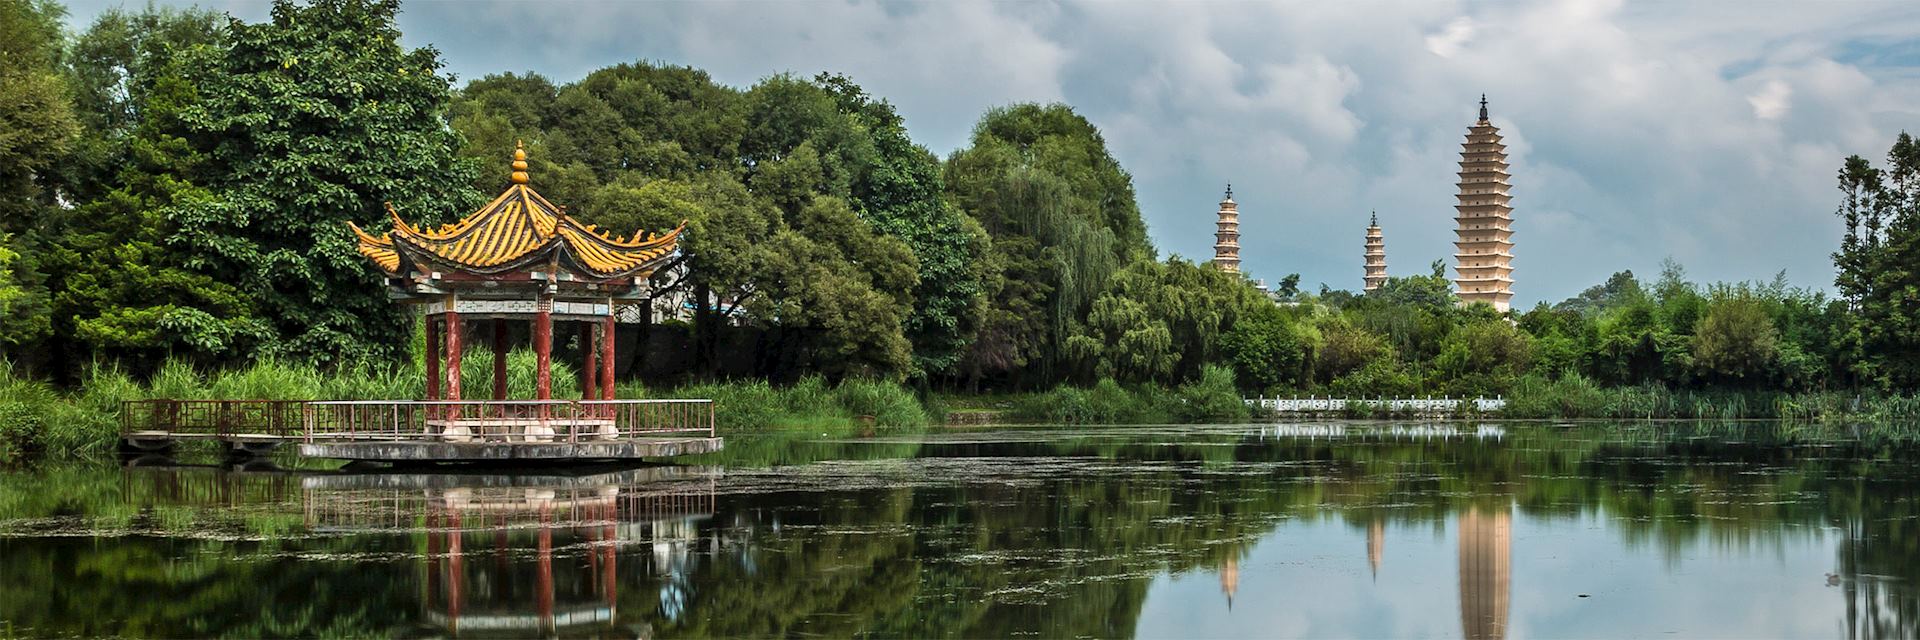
column 40, row 420
column 1577, row 397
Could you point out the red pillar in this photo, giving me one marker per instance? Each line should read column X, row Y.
column 499, row 359
column 453, row 352
column 433, row 358
column 433, row 558
column 606, row 565
column 606, row 355
column 589, row 369
column 457, row 572
column 544, row 556
column 543, row 349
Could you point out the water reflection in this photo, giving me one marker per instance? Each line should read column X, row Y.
column 1216, row 532
column 525, row 555
column 1486, row 556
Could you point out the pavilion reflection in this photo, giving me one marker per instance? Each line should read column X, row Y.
column 520, row 556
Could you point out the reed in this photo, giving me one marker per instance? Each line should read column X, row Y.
column 1212, row 398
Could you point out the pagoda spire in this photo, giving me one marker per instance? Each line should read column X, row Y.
column 1483, row 248
column 1376, row 255
column 519, row 162
column 1226, row 234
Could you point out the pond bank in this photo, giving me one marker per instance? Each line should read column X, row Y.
column 38, row 419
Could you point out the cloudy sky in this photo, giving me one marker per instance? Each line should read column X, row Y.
column 1709, row 132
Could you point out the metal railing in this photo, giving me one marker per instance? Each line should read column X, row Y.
column 528, row 421
column 211, row 418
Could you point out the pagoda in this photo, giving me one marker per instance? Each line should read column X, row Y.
column 1226, row 235
column 519, row 257
column 1483, row 250
column 1376, row 259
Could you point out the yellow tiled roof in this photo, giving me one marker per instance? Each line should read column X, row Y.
column 517, row 229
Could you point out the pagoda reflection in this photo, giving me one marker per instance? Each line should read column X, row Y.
column 1486, row 538
column 521, row 556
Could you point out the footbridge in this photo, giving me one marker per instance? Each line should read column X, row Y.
column 430, row 430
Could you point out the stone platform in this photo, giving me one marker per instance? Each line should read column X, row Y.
column 624, row 449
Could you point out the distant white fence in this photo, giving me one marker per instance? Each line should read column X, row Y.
column 1427, row 404
column 1336, row 430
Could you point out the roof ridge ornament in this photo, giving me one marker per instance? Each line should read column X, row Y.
column 519, row 162
column 1483, row 107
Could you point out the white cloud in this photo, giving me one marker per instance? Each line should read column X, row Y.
column 1772, row 101
column 1450, row 39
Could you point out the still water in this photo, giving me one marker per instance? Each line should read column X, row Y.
column 1495, row 530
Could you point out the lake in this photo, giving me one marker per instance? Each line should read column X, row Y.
column 1324, row 529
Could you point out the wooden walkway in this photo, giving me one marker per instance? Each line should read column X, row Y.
column 437, row 431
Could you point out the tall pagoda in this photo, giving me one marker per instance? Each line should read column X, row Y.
column 1376, row 255
column 1483, row 250
column 519, row 257
column 1226, row 235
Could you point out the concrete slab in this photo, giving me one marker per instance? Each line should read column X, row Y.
column 631, row 449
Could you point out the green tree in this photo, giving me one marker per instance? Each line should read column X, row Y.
column 1877, row 272
column 12, row 295
column 1267, row 350
column 37, row 129
column 1481, row 357
column 1736, row 340
column 762, row 177
column 308, row 121
column 901, row 194
column 37, row 122
column 1620, row 288
column 1159, row 321
column 117, row 290
column 1345, row 348
column 113, row 68
column 1062, row 218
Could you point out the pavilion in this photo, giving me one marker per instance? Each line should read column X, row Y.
column 519, row 257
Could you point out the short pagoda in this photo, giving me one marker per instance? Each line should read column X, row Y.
column 1376, row 258
column 1226, row 235
column 519, row 257
column 1483, row 250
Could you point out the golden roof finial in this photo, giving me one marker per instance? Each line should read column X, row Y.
column 519, row 162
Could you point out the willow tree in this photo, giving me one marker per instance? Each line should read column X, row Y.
column 1062, row 217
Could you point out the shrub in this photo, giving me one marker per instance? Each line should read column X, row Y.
column 25, row 407
column 888, row 403
column 1063, row 405
column 746, row 406
column 1212, row 398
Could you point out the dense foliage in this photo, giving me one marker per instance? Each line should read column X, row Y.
column 1879, row 264
column 811, row 213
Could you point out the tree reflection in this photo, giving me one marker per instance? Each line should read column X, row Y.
column 1048, row 536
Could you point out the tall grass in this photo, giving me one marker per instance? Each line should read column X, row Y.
column 38, row 419
column 812, row 403
column 1212, row 398
column 1574, row 396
